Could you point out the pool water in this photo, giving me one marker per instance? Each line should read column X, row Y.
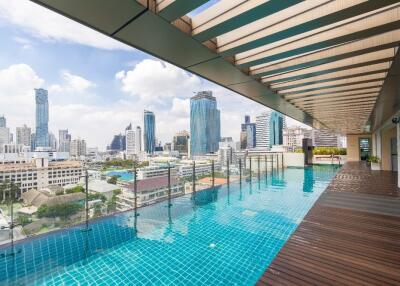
column 221, row 236
column 122, row 175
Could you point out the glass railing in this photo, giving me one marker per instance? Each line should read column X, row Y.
column 55, row 208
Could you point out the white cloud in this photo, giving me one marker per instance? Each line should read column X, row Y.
column 17, row 84
column 25, row 43
column 48, row 25
column 154, row 81
column 72, row 83
column 98, row 123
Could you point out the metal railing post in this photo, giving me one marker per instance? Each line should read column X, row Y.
column 272, row 163
column 227, row 171
column 282, row 160
column 135, row 186
column 258, row 166
column 240, row 171
column 87, row 198
column 194, row 177
column 169, row 185
column 213, row 173
column 251, row 175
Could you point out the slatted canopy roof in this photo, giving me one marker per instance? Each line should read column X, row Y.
column 322, row 62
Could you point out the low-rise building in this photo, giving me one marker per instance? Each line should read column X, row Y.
column 148, row 191
column 202, row 167
column 40, row 173
column 103, row 188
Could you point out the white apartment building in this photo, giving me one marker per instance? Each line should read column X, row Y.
column 78, row 148
column 262, row 130
column 23, row 136
column 130, row 138
column 324, row 138
column 41, row 173
column 293, row 137
column 4, row 135
column 227, row 151
column 154, row 171
column 185, row 167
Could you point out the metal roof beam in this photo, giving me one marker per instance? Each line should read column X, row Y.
column 358, row 61
column 228, row 15
column 327, row 78
column 348, row 50
column 332, row 12
column 171, row 10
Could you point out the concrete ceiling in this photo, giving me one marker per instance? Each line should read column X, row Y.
column 322, row 62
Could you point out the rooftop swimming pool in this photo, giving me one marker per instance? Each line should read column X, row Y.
column 123, row 175
column 222, row 236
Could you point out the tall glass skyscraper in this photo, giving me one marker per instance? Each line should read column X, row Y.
column 276, row 125
column 205, row 125
column 42, row 118
column 3, row 122
column 149, row 131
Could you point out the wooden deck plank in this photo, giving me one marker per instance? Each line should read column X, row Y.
column 341, row 245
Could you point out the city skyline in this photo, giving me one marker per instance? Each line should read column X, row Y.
column 96, row 85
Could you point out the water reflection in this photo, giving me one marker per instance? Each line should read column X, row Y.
column 308, row 180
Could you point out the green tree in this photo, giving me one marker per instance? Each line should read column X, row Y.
column 113, row 180
column 63, row 210
column 23, row 219
column 97, row 210
column 77, row 189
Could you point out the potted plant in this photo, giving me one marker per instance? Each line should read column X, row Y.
column 375, row 163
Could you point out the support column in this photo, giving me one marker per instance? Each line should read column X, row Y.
column 398, row 153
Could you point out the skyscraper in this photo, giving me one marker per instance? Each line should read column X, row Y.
column 205, row 128
column 118, row 143
column 149, row 131
column 42, row 118
column 4, row 132
column 248, row 134
column 78, row 148
column 138, row 140
column 23, row 135
column 277, row 123
column 269, row 129
column 262, row 130
column 3, row 121
column 52, row 141
column 64, row 140
column 180, row 142
column 132, row 138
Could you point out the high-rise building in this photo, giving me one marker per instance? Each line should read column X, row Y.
column 52, row 141
column 277, row 123
column 130, row 138
column 3, row 121
column 324, row 138
column 64, row 140
column 180, row 142
column 23, row 135
column 262, row 130
column 205, row 126
column 4, row 132
column 149, row 131
column 248, row 134
column 269, row 129
column 138, row 140
column 78, row 148
column 118, row 143
column 293, row 137
column 42, row 118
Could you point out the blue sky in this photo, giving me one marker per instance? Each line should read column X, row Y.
column 97, row 86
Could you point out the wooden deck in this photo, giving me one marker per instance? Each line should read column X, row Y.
column 351, row 236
